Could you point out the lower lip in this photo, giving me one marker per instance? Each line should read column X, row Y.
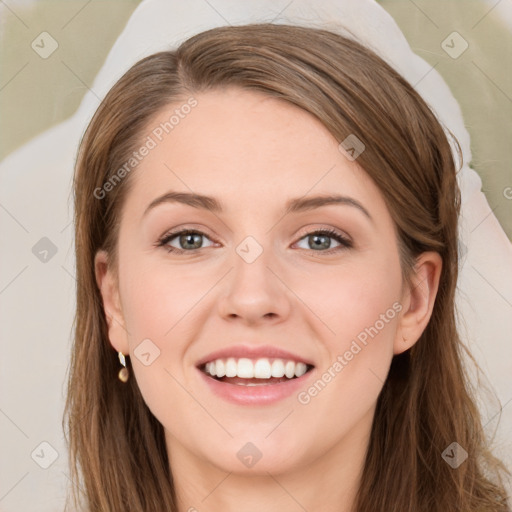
column 255, row 395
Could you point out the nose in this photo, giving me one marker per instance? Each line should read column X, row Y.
column 254, row 292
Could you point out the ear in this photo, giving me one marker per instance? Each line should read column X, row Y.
column 109, row 289
column 418, row 300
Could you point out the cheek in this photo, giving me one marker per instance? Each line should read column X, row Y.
column 367, row 307
column 353, row 296
column 156, row 298
column 360, row 305
column 155, row 305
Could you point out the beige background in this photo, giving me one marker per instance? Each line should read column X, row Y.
column 36, row 93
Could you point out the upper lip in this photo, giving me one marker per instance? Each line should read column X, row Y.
column 253, row 352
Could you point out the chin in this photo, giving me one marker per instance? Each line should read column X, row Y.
column 257, row 455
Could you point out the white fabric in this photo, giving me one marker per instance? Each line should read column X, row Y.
column 38, row 298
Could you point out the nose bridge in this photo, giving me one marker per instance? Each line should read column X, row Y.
column 253, row 290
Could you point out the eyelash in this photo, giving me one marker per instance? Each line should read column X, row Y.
column 331, row 233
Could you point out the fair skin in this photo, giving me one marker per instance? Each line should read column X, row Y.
column 253, row 153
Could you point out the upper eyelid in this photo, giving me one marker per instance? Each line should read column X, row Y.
column 333, row 231
column 173, row 234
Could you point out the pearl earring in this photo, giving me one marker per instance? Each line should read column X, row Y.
column 123, row 374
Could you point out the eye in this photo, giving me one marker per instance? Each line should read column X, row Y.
column 321, row 240
column 188, row 240
column 191, row 240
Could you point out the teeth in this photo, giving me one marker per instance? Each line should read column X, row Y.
column 289, row 369
column 220, row 368
column 260, row 369
column 300, row 369
column 277, row 368
column 231, row 367
column 210, row 368
column 245, row 369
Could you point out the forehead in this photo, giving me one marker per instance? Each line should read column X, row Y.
column 245, row 148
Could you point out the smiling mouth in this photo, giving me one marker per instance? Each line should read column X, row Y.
column 255, row 372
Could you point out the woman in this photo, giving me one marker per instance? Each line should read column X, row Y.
column 266, row 237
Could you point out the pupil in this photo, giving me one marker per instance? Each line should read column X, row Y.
column 324, row 245
column 185, row 239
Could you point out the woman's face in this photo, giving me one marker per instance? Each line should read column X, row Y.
column 256, row 280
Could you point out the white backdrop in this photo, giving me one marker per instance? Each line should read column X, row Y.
column 37, row 282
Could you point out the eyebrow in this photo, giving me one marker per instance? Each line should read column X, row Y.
column 292, row 206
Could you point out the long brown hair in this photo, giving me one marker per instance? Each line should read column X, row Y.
column 117, row 449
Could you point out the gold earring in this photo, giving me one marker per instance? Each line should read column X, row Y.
column 123, row 374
